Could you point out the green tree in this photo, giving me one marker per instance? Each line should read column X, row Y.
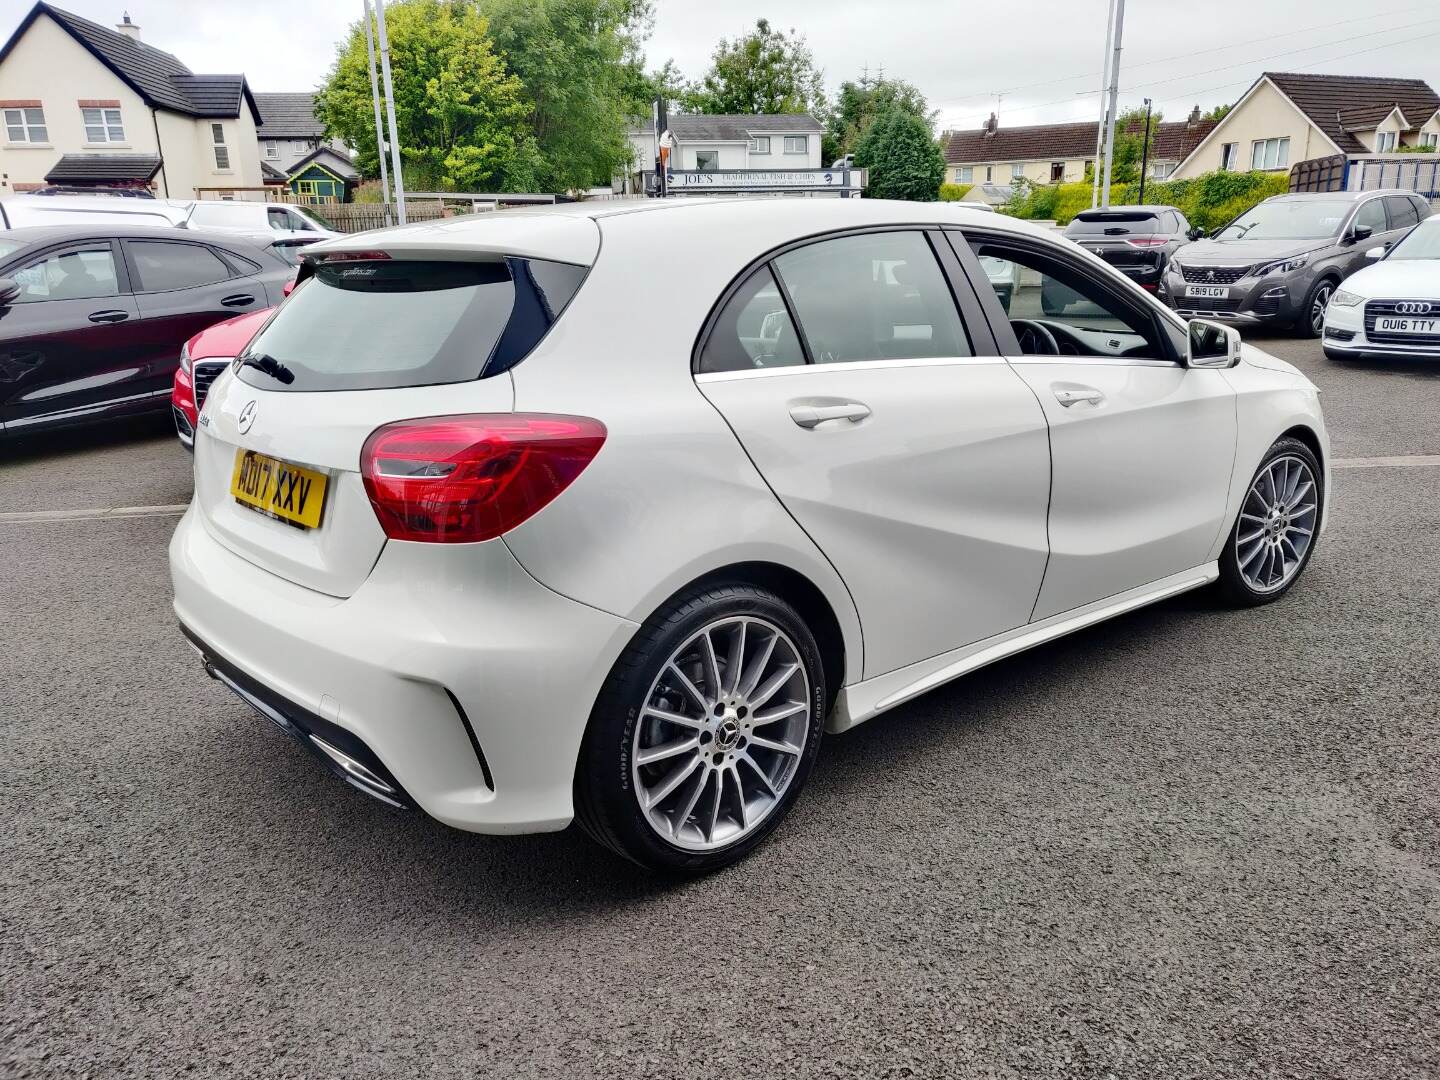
column 1218, row 112
column 460, row 116
column 1130, row 144
column 904, row 160
column 765, row 71
column 859, row 102
column 577, row 60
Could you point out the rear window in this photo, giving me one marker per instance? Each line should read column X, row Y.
column 378, row 324
column 1114, row 224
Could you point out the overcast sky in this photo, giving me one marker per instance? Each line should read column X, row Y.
column 1041, row 56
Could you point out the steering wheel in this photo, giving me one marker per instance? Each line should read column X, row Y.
column 1035, row 338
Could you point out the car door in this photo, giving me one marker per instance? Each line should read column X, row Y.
column 68, row 342
column 914, row 457
column 182, row 287
column 1370, row 214
column 1142, row 446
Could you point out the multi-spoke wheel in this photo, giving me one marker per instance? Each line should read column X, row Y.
column 1311, row 320
column 714, row 717
column 1275, row 531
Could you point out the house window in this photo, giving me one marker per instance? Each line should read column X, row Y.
column 1017, row 171
column 1057, row 171
column 760, row 144
column 103, row 125
column 989, row 174
column 272, row 150
column 1385, row 142
column 26, row 125
column 707, row 160
column 1269, row 153
column 1161, row 169
column 1430, row 139
column 222, row 154
column 965, row 174
column 797, row 144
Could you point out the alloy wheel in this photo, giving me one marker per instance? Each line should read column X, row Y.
column 1317, row 308
column 1277, row 524
column 721, row 733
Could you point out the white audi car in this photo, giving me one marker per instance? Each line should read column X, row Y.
column 605, row 512
column 1392, row 307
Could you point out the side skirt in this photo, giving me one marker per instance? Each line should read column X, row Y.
column 860, row 701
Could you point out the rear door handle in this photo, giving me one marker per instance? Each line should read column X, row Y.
column 1070, row 395
column 810, row 416
column 238, row 300
column 111, row 316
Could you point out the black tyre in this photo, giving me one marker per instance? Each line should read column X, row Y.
column 704, row 732
column 1277, row 527
column 1311, row 319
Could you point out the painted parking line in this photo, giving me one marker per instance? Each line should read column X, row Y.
column 97, row 514
column 1410, row 461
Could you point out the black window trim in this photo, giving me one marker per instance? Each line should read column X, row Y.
column 134, row 268
column 972, row 318
column 1111, row 282
column 24, row 258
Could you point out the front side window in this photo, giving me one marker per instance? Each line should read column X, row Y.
column 707, row 160
column 102, row 125
column 797, row 144
column 164, row 266
column 1269, row 153
column 873, row 296
column 77, row 274
column 753, row 330
column 1288, row 219
column 26, row 125
column 760, row 144
column 1371, row 215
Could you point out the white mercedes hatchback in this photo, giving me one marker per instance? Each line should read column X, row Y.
column 605, row 512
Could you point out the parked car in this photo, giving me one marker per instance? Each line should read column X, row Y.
column 202, row 359
column 25, row 211
column 1392, row 307
column 1139, row 241
column 256, row 217
column 1281, row 261
column 487, row 553
column 92, row 318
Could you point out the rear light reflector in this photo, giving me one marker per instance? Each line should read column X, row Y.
column 462, row 479
column 1147, row 241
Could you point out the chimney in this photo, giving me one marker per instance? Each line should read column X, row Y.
column 128, row 28
column 990, row 126
column 1194, row 117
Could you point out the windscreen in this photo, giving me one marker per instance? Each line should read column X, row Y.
column 1288, row 219
column 379, row 323
column 1115, row 224
column 1421, row 242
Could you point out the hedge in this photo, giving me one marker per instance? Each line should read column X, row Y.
column 1210, row 201
column 953, row 192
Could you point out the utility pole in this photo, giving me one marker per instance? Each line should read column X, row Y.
column 1145, row 152
column 1100, row 127
column 1110, row 109
column 390, row 109
column 379, row 122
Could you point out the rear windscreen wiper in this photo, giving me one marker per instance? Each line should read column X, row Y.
column 269, row 365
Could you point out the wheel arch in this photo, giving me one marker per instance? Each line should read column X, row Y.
column 1310, row 438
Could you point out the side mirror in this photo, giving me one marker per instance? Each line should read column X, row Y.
column 10, row 290
column 1212, row 345
column 1375, row 253
column 1195, row 233
column 1359, row 232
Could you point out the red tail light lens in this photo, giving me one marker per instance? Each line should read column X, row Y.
column 1147, row 241
column 461, row 479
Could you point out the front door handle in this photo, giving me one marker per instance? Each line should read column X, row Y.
column 1068, row 396
column 110, row 316
column 238, row 300
column 810, row 416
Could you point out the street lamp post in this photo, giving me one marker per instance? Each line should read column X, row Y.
column 390, row 109
column 1110, row 108
column 379, row 122
column 1145, row 151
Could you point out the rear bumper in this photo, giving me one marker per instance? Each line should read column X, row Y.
column 451, row 677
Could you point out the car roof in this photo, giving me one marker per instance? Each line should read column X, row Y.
column 38, row 234
column 1344, row 196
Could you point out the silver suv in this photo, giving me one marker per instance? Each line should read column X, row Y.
column 1280, row 261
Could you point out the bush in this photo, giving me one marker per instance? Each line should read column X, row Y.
column 1210, row 201
column 902, row 156
column 953, row 192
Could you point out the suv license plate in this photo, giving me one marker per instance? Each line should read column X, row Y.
column 1210, row 292
column 278, row 489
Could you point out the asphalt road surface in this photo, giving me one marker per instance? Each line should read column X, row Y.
column 1188, row 843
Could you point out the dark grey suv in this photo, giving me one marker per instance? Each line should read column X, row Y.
column 1280, row 261
column 1137, row 240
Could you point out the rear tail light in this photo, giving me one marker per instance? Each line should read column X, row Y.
column 1147, row 241
column 461, row 479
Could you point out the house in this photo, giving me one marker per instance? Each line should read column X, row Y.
column 1287, row 117
column 289, row 130
column 87, row 105
column 322, row 176
column 1055, row 153
column 708, row 142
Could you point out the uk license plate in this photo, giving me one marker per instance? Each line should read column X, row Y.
column 1408, row 326
column 1208, row 292
column 289, row 493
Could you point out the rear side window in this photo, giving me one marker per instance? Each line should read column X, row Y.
column 754, row 330
column 164, row 266
column 1117, row 223
column 1402, row 212
column 369, row 325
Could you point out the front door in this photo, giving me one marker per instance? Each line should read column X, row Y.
column 919, row 468
column 1142, row 446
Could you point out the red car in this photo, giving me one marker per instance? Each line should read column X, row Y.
column 202, row 359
